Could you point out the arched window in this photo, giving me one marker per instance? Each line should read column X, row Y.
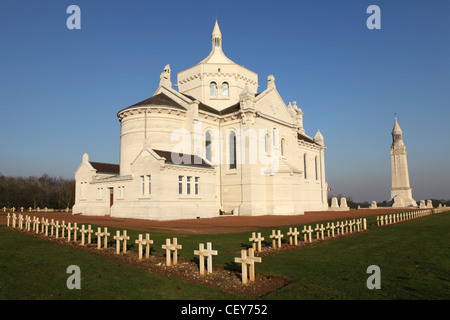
column 317, row 172
column 213, row 88
column 225, row 87
column 208, row 153
column 282, row 145
column 232, row 149
column 304, row 165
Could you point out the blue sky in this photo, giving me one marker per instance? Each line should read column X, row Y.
column 60, row 89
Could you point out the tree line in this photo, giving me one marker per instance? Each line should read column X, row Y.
column 37, row 192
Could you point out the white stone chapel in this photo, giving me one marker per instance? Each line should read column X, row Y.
column 213, row 145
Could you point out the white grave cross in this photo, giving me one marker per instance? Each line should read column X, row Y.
column 293, row 234
column 171, row 247
column 275, row 238
column 244, row 261
column 208, row 253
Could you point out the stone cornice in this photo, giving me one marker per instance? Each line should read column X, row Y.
column 151, row 109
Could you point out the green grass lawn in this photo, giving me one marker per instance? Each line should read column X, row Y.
column 414, row 258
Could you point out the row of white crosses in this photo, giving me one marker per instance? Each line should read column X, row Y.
column 341, row 227
column 103, row 234
column 22, row 209
column 403, row 216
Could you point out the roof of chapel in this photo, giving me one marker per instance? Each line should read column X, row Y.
column 192, row 159
column 158, row 100
column 105, row 167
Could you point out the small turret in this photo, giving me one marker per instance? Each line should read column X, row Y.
column 319, row 138
column 164, row 78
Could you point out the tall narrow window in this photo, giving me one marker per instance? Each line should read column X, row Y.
column 83, row 189
column 142, row 185
column 266, row 143
column 196, row 185
column 317, row 173
column 225, row 89
column 188, row 185
column 149, row 184
column 282, row 146
column 304, row 165
column 213, row 88
column 208, row 153
column 274, row 137
column 180, row 184
column 232, row 149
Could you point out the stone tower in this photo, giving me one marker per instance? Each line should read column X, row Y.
column 401, row 192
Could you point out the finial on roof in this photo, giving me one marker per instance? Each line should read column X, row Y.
column 270, row 81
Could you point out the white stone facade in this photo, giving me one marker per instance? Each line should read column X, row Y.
column 235, row 149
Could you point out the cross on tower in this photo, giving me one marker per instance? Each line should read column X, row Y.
column 208, row 253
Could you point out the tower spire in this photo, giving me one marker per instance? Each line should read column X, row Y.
column 216, row 37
